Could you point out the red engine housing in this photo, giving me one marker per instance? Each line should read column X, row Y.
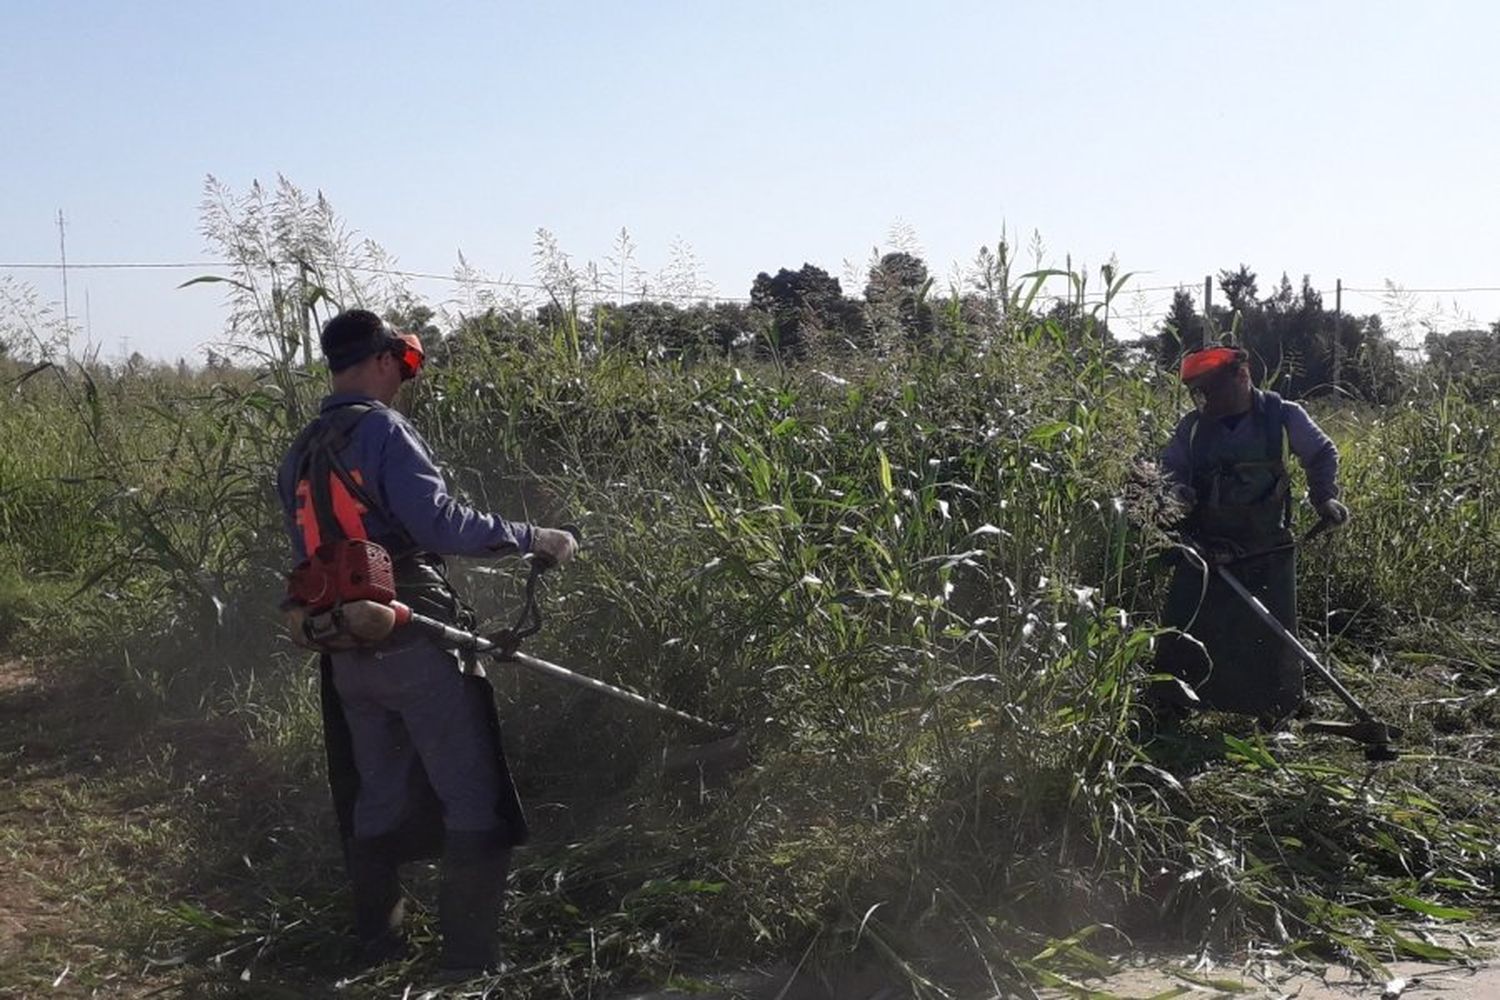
column 349, row 570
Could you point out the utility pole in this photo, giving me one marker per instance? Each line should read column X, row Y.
column 62, row 248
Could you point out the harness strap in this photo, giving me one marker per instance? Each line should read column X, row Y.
column 421, row 578
column 1278, row 446
column 321, row 463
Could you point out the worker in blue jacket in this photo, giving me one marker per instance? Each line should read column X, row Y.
column 413, row 738
column 1227, row 463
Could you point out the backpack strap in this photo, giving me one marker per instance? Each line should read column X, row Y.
column 312, row 469
column 1273, row 421
column 321, row 462
column 1278, row 444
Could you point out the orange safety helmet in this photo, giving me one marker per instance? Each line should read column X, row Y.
column 407, row 347
column 1210, row 360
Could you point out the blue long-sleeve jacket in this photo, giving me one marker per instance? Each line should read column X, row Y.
column 395, row 465
column 1314, row 449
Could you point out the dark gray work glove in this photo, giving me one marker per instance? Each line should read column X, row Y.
column 1333, row 511
column 553, row 544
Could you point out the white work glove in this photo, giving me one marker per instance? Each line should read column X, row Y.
column 553, row 545
column 1333, row 511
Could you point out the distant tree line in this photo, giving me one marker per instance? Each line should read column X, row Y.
column 790, row 315
column 1301, row 348
column 1470, row 358
column 1297, row 346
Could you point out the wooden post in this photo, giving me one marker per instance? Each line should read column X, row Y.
column 1208, row 319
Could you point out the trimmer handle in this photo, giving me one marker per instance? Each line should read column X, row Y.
column 529, row 622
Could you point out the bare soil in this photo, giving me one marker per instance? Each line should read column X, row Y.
column 1162, row 979
column 86, row 802
column 1280, row 982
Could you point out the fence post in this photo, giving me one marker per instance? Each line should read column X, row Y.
column 1208, row 316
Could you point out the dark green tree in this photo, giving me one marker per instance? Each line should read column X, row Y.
column 1468, row 358
column 1181, row 331
column 896, row 298
column 1239, row 287
column 804, row 306
column 414, row 317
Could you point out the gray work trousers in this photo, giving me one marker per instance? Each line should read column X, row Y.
column 409, row 704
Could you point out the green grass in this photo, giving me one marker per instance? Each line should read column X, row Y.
column 922, row 583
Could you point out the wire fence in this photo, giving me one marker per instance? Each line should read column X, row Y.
column 1408, row 314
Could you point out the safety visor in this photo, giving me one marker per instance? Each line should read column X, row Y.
column 1208, row 360
column 407, row 347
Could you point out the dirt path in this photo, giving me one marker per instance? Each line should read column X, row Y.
column 1163, row 980
column 93, row 841
column 1276, row 982
column 25, row 910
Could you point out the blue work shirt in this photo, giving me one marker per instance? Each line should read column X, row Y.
column 1314, row 449
column 395, row 465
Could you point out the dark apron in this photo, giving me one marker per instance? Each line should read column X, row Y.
column 1244, row 506
column 424, row 588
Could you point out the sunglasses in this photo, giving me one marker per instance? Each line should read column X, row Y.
column 407, row 348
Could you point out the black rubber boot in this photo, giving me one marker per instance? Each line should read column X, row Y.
column 470, row 900
column 378, row 907
column 1155, row 716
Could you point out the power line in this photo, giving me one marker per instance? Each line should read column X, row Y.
column 1399, row 290
column 533, row 286
column 113, row 265
column 361, row 269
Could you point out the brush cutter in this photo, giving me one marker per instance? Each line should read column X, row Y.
column 1376, row 737
column 724, row 750
column 368, row 623
column 503, row 648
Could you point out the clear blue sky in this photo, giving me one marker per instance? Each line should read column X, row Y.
column 1344, row 139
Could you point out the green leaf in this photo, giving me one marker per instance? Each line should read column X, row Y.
column 1421, row 949
column 1222, row 985
column 1253, row 754
column 21, row 379
column 1046, row 432
column 1433, row 909
column 208, row 279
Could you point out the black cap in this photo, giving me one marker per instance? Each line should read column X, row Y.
column 352, row 336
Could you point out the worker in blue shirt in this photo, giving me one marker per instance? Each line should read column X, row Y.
column 1227, row 464
column 412, row 734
